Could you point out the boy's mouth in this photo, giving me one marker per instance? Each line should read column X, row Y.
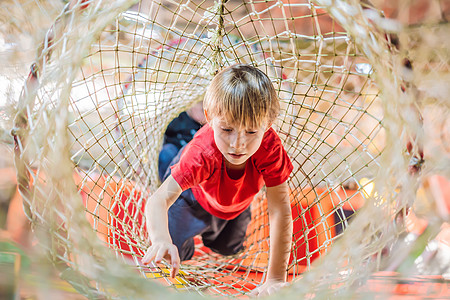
column 236, row 156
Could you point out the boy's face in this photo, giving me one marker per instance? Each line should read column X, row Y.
column 236, row 144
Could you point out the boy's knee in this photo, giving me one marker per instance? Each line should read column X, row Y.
column 186, row 251
column 222, row 248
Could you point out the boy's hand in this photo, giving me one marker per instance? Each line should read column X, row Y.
column 159, row 250
column 268, row 288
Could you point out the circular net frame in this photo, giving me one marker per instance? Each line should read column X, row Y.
column 109, row 77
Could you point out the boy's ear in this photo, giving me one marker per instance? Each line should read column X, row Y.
column 268, row 126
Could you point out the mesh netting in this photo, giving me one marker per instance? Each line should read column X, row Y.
column 109, row 78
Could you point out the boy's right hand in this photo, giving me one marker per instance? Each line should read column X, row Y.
column 159, row 250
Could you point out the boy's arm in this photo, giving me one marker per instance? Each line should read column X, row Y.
column 280, row 219
column 157, row 225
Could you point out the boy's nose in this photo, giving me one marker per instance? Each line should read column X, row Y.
column 238, row 141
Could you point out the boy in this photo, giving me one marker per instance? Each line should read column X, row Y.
column 212, row 181
column 179, row 132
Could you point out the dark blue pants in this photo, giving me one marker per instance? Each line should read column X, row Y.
column 168, row 152
column 187, row 218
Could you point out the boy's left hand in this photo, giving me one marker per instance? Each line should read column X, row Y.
column 268, row 288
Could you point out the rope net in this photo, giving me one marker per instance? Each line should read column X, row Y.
column 109, row 78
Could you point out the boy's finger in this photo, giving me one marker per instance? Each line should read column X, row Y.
column 148, row 257
column 160, row 254
column 254, row 293
column 175, row 261
column 145, row 259
column 174, row 271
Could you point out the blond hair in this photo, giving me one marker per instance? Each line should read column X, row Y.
column 243, row 95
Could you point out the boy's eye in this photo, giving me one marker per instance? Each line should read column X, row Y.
column 227, row 129
column 251, row 132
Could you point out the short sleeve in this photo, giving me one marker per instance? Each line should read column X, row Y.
column 272, row 161
column 193, row 167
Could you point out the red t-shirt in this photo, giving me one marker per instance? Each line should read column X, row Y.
column 202, row 168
